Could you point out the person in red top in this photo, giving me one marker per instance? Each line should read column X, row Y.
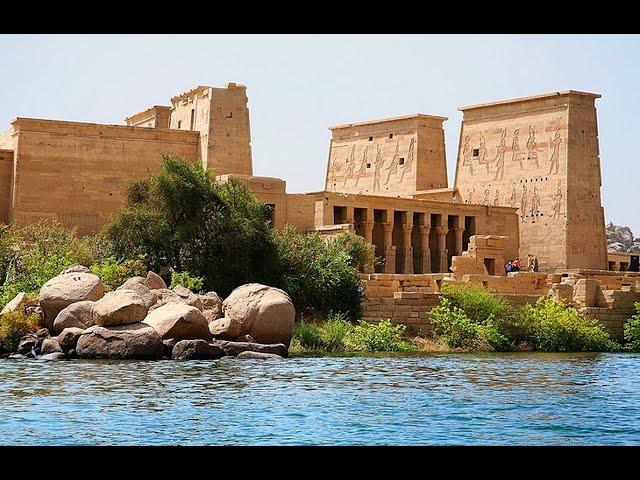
column 516, row 265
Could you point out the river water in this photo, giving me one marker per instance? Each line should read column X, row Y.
column 465, row 399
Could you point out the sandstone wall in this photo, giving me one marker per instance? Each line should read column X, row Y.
column 539, row 155
column 391, row 157
column 6, row 176
column 74, row 172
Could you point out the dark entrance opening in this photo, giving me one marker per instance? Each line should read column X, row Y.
column 490, row 265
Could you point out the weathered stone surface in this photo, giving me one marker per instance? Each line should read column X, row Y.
column 29, row 345
column 165, row 295
column 17, row 356
column 167, row 346
column 196, row 349
column 132, row 281
column 78, row 315
column 75, row 268
column 119, row 307
column 154, row 281
column 212, row 306
column 189, row 297
column 53, row 356
column 16, row 304
column 134, row 340
column 265, row 313
column 220, row 328
column 245, row 338
column 178, row 321
column 68, row 339
column 50, row 345
column 258, row 355
column 68, row 288
column 150, row 297
column 235, row 348
column 43, row 333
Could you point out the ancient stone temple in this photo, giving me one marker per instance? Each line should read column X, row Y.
column 540, row 155
column 528, row 173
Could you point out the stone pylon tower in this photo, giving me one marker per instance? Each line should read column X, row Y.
column 540, row 155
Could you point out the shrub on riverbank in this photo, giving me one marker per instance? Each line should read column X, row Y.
column 632, row 331
column 13, row 327
column 336, row 334
column 115, row 272
column 31, row 255
column 472, row 318
column 186, row 280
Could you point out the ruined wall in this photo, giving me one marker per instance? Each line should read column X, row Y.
column 74, row 172
column 394, row 157
column 6, row 176
column 539, row 155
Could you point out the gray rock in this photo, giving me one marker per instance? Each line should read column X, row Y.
column 29, row 344
column 18, row 303
column 53, row 356
column 68, row 288
column 135, row 340
column 120, row 307
column 69, row 337
column 179, row 321
column 132, row 281
column 250, row 354
column 168, row 345
column 17, row 356
column 50, row 345
column 75, row 268
column 154, row 281
column 235, row 348
column 76, row 315
column 196, row 349
column 43, row 333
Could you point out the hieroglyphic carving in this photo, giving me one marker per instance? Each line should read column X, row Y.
column 557, row 198
column 470, row 196
column 466, row 154
column 523, row 203
column 393, row 167
column 482, row 154
column 535, row 204
column 513, row 198
column 496, row 199
column 532, row 146
column 363, row 166
column 516, row 155
column 499, row 159
column 351, row 165
column 486, row 197
column 409, row 161
column 554, row 160
column 377, row 165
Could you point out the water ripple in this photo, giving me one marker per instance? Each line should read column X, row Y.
column 498, row 399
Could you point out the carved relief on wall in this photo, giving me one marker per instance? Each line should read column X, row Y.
column 351, row 165
column 535, row 205
column 362, row 170
column 523, row 204
column 499, row 158
column 554, row 159
column 482, row 154
column 408, row 164
column 377, row 166
column 496, row 199
column 513, row 198
column 516, row 154
column 467, row 160
column 556, row 199
column 393, row 167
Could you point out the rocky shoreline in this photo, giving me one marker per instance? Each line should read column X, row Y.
column 143, row 319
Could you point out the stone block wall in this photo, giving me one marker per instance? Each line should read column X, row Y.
column 6, row 177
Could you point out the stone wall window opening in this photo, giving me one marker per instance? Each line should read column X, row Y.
column 391, row 135
column 401, row 161
column 339, row 215
column 476, row 152
column 272, row 214
column 371, row 139
column 179, row 124
column 193, row 117
column 229, row 115
column 368, row 165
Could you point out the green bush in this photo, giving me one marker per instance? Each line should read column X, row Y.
column 453, row 325
column 115, row 272
column 335, row 332
column 182, row 218
column 308, row 335
column 31, row 255
column 558, row 327
column 320, row 274
column 13, row 326
column 185, row 279
column 632, row 331
column 379, row 337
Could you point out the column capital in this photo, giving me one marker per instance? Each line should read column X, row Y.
column 442, row 230
column 368, row 225
column 457, row 228
column 425, row 228
column 388, row 226
column 407, row 227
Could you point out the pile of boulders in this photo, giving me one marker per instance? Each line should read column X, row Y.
column 144, row 319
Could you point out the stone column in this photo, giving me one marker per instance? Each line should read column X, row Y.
column 368, row 235
column 424, row 245
column 389, row 249
column 458, row 231
column 442, row 247
column 408, row 249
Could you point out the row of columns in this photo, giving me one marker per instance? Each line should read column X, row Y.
column 425, row 230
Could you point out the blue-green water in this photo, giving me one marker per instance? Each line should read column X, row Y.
column 498, row 399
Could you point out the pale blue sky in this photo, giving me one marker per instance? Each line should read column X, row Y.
column 299, row 85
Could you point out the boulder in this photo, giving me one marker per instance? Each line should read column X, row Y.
column 265, row 313
column 250, row 354
column 68, row 339
column 132, row 281
column 220, row 328
column 245, row 338
column 196, row 349
column 212, row 306
column 134, row 340
column 68, row 288
column 149, row 297
column 30, row 345
column 165, row 295
column 76, row 315
column 120, row 307
column 178, row 321
column 235, row 348
column 50, row 345
column 76, row 268
column 154, row 281
column 53, row 356
column 17, row 304
column 16, row 356
column 72, row 353
column 43, row 333
column 167, row 346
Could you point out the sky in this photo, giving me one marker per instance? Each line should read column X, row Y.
column 299, row 85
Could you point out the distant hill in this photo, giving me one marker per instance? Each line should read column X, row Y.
column 621, row 239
